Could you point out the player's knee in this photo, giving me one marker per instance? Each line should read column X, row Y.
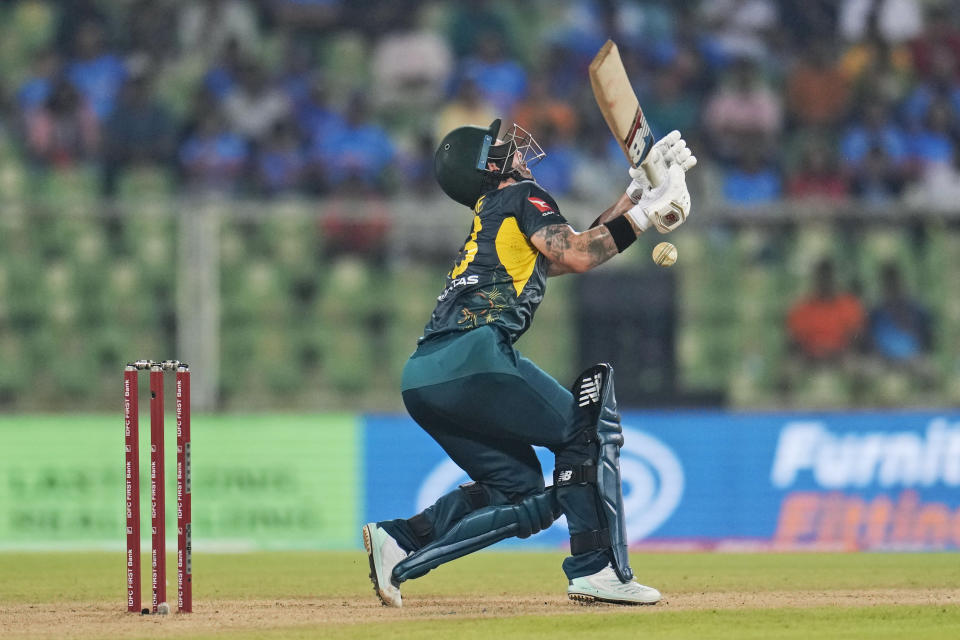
column 519, row 485
column 526, row 486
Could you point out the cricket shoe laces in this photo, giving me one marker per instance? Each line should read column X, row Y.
column 606, row 586
column 384, row 554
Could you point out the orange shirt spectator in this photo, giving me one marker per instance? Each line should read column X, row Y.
column 829, row 323
column 818, row 92
column 540, row 109
column 826, row 328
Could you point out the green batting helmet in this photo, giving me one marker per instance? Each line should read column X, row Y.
column 460, row 163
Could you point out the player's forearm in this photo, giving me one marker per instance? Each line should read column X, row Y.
column 572, row 252
column 618, row 208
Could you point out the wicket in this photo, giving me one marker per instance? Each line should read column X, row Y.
column 157, row 494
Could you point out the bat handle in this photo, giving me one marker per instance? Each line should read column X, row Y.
column 654, row 167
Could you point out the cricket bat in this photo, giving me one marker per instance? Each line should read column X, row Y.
column 619, row 105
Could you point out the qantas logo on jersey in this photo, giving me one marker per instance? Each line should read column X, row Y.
column 458, row 282
column 541, row 205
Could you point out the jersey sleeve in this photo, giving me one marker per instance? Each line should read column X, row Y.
column 536, row 209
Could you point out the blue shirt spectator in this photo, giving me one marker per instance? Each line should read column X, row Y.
column 280, row 164
column 95, row 73
column 99, row 80
column 933, row 143
column 556, row 171
column 740, row 187
column 280, row 169
column 876, row 130
column 359, row 152
column 931, row 146
column 221, row 79
column 584, row 25
column 34, row 93
column 502, row 82
column 316, row 120
column 917, row 104
column 940, row 86
column 899, row 326
column 213, row 156
column 35, row 90
column 752, row 182
column 898, row 336
column 314, row 116
column 878, row 178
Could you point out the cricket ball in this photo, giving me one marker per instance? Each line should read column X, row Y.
column 664, row 254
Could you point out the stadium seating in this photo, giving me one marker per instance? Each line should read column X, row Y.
column 88, row 287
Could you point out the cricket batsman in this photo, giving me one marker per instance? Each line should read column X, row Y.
column 487, row 406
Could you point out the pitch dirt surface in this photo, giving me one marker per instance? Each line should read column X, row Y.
column 308, row 595
column 103, row 620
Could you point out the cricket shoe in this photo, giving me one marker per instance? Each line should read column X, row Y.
column 384, row 553
column 605, row 586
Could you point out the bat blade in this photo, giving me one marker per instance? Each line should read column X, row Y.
column 619, row 105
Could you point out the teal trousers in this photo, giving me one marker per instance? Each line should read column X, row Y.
column 487, row 406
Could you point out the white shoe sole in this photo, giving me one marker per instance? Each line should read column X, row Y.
column 368, row 545
column 587, row 599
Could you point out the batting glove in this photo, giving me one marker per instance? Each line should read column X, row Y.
column 668, row 151
column 666, row 206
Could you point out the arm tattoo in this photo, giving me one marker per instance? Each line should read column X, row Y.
column 588, row 249
column 557, row 238
column 598, row 246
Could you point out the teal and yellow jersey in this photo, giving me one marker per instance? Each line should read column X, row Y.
column 499, row 277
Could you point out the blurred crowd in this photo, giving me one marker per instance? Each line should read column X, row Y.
column 817, row 99
column 832, row 328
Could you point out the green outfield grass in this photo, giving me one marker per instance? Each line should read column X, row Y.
column 494, row 594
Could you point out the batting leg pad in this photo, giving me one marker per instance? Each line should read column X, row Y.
column 421, row 526
column 597, row 407
column 479, row 529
